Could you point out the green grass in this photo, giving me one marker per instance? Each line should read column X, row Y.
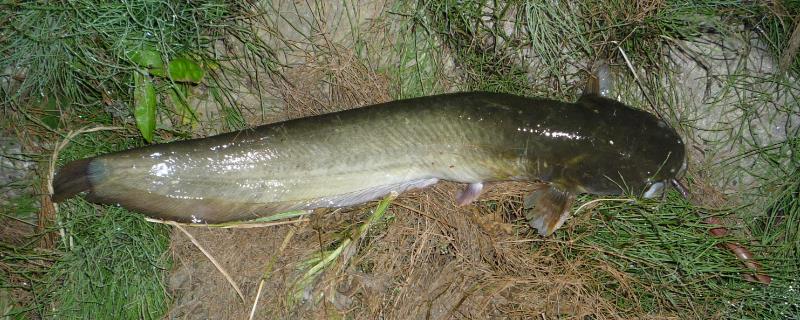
column 678, row 265
column 65, row 57
column 76, row 51
column 418, row 61
column 482, row 64
column 775, row 226
column 113, row 265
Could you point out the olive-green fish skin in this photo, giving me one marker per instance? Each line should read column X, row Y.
column 596, row 145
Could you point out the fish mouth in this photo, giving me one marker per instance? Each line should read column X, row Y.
column 658, row 188
column 655, row 189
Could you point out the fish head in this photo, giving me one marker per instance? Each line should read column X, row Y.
column 659, row 158
column 632, row 151
column 666, row 144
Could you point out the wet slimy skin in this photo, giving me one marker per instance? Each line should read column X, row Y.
column 596, row 145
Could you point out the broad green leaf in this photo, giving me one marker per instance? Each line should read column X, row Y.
column 158, row 72
column 144, row 104
column 147, row 58
column 185, row 70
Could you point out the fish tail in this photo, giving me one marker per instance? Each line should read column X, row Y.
column 73, row 178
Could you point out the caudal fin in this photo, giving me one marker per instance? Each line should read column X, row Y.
column 71, row 179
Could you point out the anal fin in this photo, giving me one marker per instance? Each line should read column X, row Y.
column 469, row 194
column 550, row 207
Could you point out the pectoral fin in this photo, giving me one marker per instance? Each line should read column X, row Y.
column 469, row 194
column 550, row 207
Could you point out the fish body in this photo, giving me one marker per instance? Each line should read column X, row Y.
column 595, row 145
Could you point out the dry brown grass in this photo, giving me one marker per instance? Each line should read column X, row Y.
column 432, row 260
column 330, row 83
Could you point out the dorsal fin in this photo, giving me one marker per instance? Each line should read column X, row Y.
column 599, row 82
